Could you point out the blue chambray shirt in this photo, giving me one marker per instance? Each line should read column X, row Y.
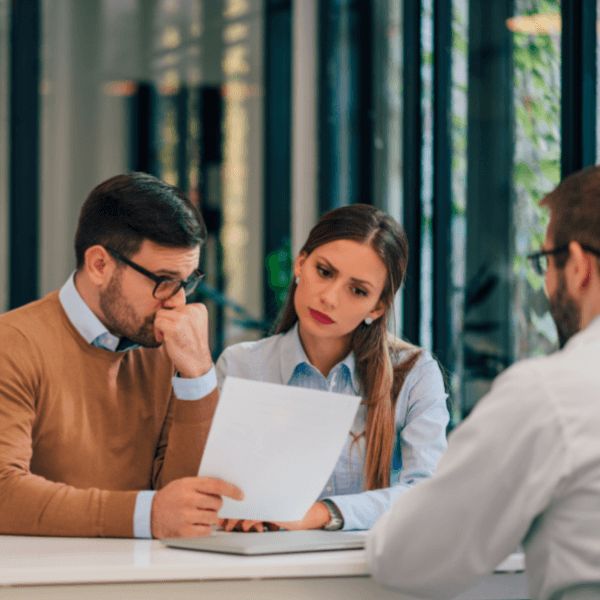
column 95, row 333
column 421, row 419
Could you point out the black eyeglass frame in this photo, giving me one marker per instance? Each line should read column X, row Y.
column 535, row 257
column 188, row 285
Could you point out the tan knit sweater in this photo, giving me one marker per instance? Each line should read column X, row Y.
column 82, row 429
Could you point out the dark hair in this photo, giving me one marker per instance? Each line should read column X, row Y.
column 375, row 350
column 123, row 211
column 575, row 207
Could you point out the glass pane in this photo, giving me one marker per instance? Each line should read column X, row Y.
column 537, row 62
column 460, row 27
column 426, row 279
column 241, row 72
column 387, row 78
column 140, row 85
column 207, row 60
column 173, row 41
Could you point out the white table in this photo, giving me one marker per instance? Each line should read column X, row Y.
column 75, row 568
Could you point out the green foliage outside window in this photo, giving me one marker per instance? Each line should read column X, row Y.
column 536, row 172
column 279, row 271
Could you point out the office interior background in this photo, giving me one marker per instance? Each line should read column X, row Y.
column 455, row 116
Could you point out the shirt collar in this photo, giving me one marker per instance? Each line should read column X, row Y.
column 84, row 320
column 292, row 355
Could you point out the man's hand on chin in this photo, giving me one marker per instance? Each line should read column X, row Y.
column 184, row 332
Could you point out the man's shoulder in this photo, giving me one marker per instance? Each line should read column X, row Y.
column 31, row 334
column 34, row 318
column 569, row 360
column 529, row 372
column 554, row 381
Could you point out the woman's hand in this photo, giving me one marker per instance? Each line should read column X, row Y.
column 316, row 518
column 246, row 525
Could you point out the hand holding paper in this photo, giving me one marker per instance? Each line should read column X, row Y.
column 278, row 444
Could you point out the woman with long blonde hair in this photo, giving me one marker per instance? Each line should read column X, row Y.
column 333, row 335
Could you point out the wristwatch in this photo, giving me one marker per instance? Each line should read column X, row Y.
column 336, row 521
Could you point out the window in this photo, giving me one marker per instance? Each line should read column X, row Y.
column 537, row 99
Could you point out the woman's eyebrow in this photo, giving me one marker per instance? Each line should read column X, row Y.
column 332, row 268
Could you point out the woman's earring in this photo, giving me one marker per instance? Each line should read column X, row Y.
column 297, row 280
column 368, row 320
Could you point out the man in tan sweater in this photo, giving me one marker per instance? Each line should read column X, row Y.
column 107, row 387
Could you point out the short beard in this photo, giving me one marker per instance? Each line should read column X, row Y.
column 120, row 318
column 565, row 311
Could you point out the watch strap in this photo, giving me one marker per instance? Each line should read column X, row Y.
column 336, row 521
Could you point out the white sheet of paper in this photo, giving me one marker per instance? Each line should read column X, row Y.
column 278, row 444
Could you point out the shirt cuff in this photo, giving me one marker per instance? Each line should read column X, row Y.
column 142, row 515
column 194, row 389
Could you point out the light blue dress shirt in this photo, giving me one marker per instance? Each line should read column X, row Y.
column 421, row 419
column 95, row 333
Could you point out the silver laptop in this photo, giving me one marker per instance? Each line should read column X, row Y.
column 271, row 542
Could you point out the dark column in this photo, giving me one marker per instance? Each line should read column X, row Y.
column 442, row 183
column 278, row 140
column 489, row 197
column 182, row 133
column 412, row 142
column 211, row 157
column 578, row 89
column 25, row 38
column 345, row 103
column 140, row 118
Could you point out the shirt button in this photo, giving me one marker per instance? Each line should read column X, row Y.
column 329, row 488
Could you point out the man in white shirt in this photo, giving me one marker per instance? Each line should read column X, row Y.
column 524, row 467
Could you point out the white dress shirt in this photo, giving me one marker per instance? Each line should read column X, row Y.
column 524, row 467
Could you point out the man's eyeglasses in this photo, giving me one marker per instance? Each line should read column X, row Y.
column 539, row 260
column 166, row 287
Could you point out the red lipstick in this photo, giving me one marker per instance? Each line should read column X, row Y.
column 320, row 317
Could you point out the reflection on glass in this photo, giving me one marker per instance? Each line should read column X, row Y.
column 426, row 278
column 235, row 237
column 460, row 11
column 193, row 145
column 236, row 8
column 169, row 140
column 235, row 32
column 171, row 37
column 387, row 78
column 537, row 62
